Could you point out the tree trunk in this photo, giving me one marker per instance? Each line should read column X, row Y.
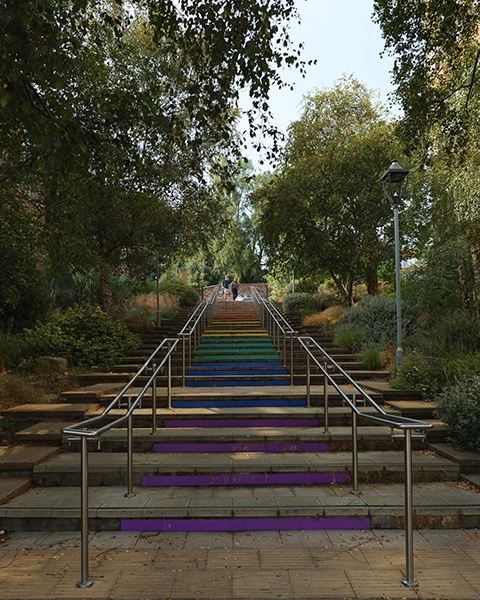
column 372, row 278
column 340, row 286
column 476, row 281
column 106, row 290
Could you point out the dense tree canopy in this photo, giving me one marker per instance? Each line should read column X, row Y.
column 112, row 113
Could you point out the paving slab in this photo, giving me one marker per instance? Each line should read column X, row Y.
column 10, row 487
column 21, row 457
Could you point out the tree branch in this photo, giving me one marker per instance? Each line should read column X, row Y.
column 477, row 58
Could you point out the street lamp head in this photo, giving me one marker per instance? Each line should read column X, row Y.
column 394, row 177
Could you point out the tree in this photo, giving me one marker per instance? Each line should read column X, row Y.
column 127, row 104
column 436, row 46
column 236, row 247
column 325, row 209
column 437, row 52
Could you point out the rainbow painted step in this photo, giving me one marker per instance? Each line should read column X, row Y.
column 244, row 479
column 286, row 524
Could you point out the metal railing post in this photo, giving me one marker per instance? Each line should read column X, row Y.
column 169, row 371
column 183, row 361
column 154, row 402
column 84, row 582
column 291, row 358
column 325, row 398
column 130, row 493
column 308, row 374
column 409, row 580
column 354, row 446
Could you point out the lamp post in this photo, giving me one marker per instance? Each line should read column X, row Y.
column 394, row 183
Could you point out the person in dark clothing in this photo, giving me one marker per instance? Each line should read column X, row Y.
column 234, row 288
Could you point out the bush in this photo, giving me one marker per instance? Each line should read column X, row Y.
column 376, row 316
column 186, row 294
column 10, row 351
column 351, row 338
column 372, row 357
column 293, row 303
column 440, row 354
column 431, row 374
column 323, row 299
column 456, row 334
column 84, row 335
column 459, row 408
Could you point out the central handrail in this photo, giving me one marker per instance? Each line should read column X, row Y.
column 276, row 325
column 405, row 424
column 194, row 328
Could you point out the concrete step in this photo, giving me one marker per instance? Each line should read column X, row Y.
column 13, row 486
column 181, row 469
column 252, row 393
column 442, row 505
column 230, row 439
column 27, row 415
column 19, row 460
column 251, row 417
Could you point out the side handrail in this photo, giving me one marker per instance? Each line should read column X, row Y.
column 405, row 424
column 84, row 431
column 398, row 422
column 194, row 328
column 276, row 325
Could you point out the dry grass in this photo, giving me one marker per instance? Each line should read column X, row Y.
column 142, row 311
column 327, row 318
column 148, row 302
column 40, row 386
column 16, row 390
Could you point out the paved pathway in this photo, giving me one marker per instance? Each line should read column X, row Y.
column 287, row 565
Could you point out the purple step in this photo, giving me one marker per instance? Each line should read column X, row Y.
column 243, row 447
column 216, row 423
column 244, row 479
column 245, row 524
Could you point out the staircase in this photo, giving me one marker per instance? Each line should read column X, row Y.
column 239, row 450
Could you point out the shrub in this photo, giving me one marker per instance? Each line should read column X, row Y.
column 323, row 299
column 83, row 335
column 431, row 374
column 10, row 351
column 459, row 407
column 372, row 357
column 376, row 316
column 186, row 294
column 438, row 355
column 293, row 303
column 303, row 286
column 455, row 334
column 351, row 338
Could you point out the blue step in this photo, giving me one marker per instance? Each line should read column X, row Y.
column 234, row 383
column 240, row 371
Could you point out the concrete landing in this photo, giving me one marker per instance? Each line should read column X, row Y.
column 244, row 565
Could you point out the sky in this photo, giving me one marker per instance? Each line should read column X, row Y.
column 342, row 37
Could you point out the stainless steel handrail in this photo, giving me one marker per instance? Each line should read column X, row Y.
column 275, row 324
column 83, row 431
column 405, row 424
column 194, row 328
